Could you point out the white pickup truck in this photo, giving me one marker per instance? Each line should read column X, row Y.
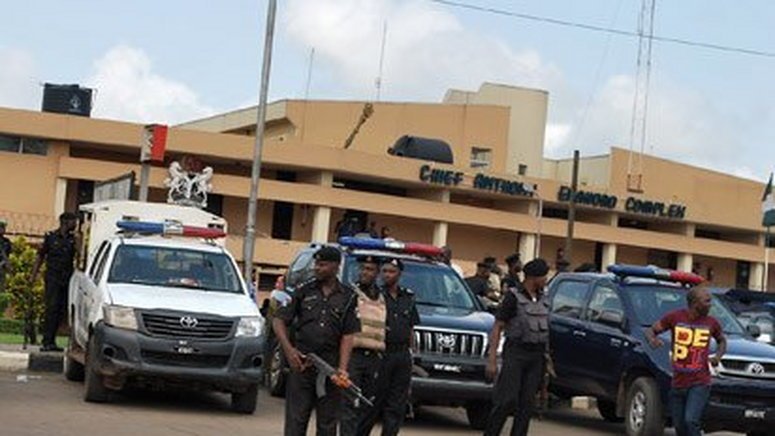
column 157, row 300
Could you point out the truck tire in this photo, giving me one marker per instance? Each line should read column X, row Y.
column 607, row 410
column 277, row 372
column 94, row 389
column 74, row 370
column 477, row 414
column 245, row 402
column 643, row 411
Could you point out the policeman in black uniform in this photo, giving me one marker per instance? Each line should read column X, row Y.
column 524, row 315
column 367, row 355
column 512, row 279
column 396, row 374
column 58, row 252
column 322, row 313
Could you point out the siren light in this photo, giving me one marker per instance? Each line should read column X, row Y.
column 168, row 228
column 391, row 245
column 654, row 272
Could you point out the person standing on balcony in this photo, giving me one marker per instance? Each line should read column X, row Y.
column 58, row 253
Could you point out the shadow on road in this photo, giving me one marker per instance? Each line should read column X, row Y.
column 178, row 400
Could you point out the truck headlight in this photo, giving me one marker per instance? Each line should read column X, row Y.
column 120, row 317
column 251, row 326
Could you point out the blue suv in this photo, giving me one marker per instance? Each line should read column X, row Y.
column 597, row 328
column 452, row 336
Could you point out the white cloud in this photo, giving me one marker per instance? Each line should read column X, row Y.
column 19, row 86
column 427, row 52
column 128, row 89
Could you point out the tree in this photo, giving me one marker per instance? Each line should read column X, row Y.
column 26, row 300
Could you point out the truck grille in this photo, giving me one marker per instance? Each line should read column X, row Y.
column 187, row 326
column 188, row 360
column 454, row 343
column 746, row 368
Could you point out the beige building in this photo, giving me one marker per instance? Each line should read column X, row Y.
column 486, row 203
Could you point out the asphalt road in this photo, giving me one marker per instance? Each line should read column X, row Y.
column 46, row 404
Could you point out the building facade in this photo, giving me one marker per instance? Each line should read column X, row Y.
column 500, row 195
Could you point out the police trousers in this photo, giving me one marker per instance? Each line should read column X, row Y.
column 56, row 307
column 301, row 398
column 516, row 388
column 393, row 384
column 364, row 370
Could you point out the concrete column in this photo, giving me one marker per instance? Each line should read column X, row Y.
column 609, row 256
column 321, row 223
column 527, row 246
column 440, row 230
column 60, row 196
column 685, row 262
column 756, row 276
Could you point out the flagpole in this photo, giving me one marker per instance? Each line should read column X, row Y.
column 765, row 279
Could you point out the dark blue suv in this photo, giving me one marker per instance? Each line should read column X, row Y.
column 452, row 336
column 597, row 328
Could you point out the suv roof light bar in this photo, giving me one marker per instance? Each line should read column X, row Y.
column 168, row 228
column 654, row 272
column 391, row 245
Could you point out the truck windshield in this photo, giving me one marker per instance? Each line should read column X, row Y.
column 174, row 267
column 432, row 284
column 651, row 303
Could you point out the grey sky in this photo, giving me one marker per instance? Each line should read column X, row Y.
column 174, row 60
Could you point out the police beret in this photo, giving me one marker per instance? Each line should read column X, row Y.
column 368, row 259
column 328, row 254
column 536, row 268
column 396, row 263
column 513, row 259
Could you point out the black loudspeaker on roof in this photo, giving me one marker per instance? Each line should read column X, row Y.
column 67, row 99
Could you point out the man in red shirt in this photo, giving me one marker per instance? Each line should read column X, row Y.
column 691, row 331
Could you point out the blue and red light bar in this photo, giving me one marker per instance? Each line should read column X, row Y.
column 168, row 228
column 653, row 272
column 390, row 245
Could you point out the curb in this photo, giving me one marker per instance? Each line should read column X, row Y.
column 16, row 361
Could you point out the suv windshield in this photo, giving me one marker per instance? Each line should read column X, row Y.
column 433, row 284
column 175, row 267
column 651, row 303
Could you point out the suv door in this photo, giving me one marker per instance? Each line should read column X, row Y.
column 606, row 342
column 567, row 330
column 85, row 295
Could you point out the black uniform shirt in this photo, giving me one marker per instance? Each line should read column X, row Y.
column 479, row 286
column 510, row 281
column 59, row 252
column 402, row 316
column 371, row 291
column 508, row 307
column 319, row 321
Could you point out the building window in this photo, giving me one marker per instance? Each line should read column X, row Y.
column 15, row 144
column 481, row 157
column 522, row 169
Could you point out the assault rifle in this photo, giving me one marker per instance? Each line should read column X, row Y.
column 326, row 371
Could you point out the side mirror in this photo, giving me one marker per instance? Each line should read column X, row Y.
column 753, row 330
column 612, row 318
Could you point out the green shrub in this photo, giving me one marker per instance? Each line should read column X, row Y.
column 26, row 300
column 5, row 302
column 12, row 326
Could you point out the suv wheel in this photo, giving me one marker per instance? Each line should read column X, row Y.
column 607, row 410
column 245, row 402
column 73, row 370
column 95, row 390
column 477, row 414
column 276, row 376
column 643, row 413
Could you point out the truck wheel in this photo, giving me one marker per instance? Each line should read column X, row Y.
column 95, row 390
column 245, row 402
column 73, row 369
column 643, row 413
column 277, row 368
column 607, row 410
column 477, row 414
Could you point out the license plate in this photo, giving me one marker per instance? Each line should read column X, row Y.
column 185, row 350
column 754, row 414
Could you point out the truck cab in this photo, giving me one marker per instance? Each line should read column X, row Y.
column 157, row 300
column 597, row 325
column 452, row 337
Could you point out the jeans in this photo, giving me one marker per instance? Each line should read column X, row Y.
column 687, row 406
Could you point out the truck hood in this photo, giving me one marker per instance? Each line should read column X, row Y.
column 749, row 348
column 181, row 299
column 457, row 319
